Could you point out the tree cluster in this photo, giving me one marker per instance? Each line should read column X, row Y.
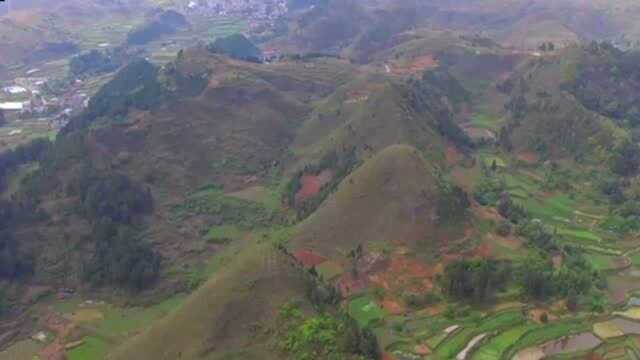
column 135, row 86
column 121, row 258
column 96, row 62
column 236, row 46
column 325, row 336
column 13, row 263
column 438, row 93
column 475, row 280
column 111, row 196
column 166, row 22
column 576, row 277
column 23, row 154
column 340, row 164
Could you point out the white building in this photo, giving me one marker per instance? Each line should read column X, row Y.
column 13, row 90
column 12, row 106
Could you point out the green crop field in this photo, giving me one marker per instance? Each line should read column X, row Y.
column 92, row 348
column 579, row 234
column 557, row 208
column 365, row 311
column 436, row 340
column 117, row 325
column 501, row 320
column 548, row 333
column 600, row 262
column 223, row 234
column 497, row 346
column 486, row 122
column 459, row 340
column 453, row 345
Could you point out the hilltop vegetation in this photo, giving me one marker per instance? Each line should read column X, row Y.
column 236, row 46
column 162, row 23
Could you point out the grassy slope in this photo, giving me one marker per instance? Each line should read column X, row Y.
column 391, row 197
column 219, row 317
column 368, row 115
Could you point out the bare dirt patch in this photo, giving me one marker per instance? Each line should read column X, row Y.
column 416, row 65
column 312, row 184
column 454, row 157
column 483, row 251
column 528, row 157
column 308, row 258
column 536, row 314
column 476, row 133
column 61, row 327
column 404, row 274
column 393, row 307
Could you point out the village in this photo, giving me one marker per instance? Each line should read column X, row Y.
column 258, row 13
column 36, row 105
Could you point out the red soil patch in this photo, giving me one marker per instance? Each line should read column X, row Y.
column 476, row 133
column 528, row 157
column 486, row 213
column 557, row 261
column 393, row 307
column 620, row 262
column 312, row 184
column 388, row 356
column 406, row 275
column 62, row 327
column 454, row 157
column 510, row 242
column 422, row 350
column 349, row 286
column 308, row 258
column 483, row 250
column 536, row 314
column 417, row 65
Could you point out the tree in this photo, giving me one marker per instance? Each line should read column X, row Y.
column 112, row 196
column 13, row 263
column 121, row 258
column 537, row 279
column 475, row 280
column 511, row 210
column 626, row 159
column 572, row 301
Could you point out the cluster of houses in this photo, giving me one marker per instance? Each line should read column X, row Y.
column 256, row 11
column 26, row 98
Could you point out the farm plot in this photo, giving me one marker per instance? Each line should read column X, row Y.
column 496, row 347
column 547, row 333
column 365, row 311
column 495, row 322
column 108, row 325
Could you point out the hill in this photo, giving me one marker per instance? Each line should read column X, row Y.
column 229, row 317
column 239, row 119
column 161, row 23
column 38, row 30
column 554, row 108
column 393, row 198
column 236, row 46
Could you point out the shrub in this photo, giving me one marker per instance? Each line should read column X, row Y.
column 544, row 318
column 504, row 228
column 488, row 191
